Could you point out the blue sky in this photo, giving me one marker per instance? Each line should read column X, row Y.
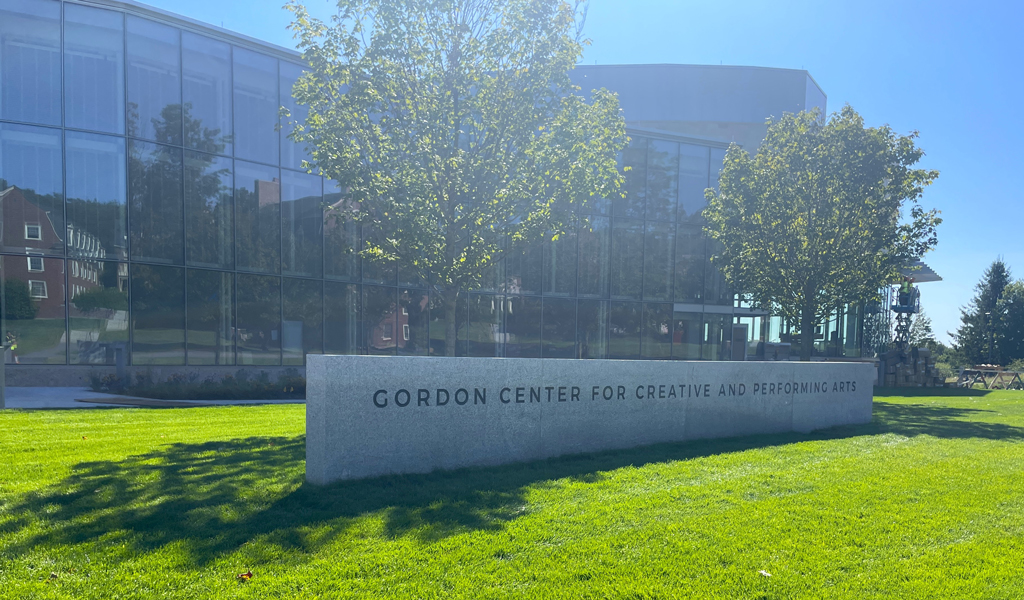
column 950, row 70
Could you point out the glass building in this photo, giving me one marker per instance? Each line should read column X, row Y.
column 155, row 212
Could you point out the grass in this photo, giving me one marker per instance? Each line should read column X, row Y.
column 925, row 502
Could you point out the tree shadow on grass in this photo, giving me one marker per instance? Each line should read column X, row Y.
column 215, row 497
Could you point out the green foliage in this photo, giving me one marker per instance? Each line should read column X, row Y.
column 992, row 324
column 18, row 304
column 454, row 127
column 188, row 386
column 825, row 214
column 174, row 503
column 100, row 298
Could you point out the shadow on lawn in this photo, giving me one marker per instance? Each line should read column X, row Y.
column 215, row 497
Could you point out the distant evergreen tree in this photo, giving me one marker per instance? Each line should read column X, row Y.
column 1011, row 314
column 921, row 334
column 980, row 323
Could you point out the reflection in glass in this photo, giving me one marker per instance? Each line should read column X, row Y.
column 693, row 180
column 93, row 69
column 485, row 333
column 209, row 240
column 154, row 81
column 439, row 322
column 259, row 319
column 158, row 315
column 341, row 237
column 30, row 61
column 634, row 169
column 341, row 318
column 523, row 327
column 594, row 255
column 302, row 213
column 717, row 162
column 33, row 310
column 658, row 261
column 155, row 203
column 717, row 330
column 257, row 218
column 97, row 210
column 206, row 92
column 689, row 269
column 627, row 258
column 375, row 270
column 413, row 320
column 560, row 265
column 624, row 330
column 98, row 328
column 303, row 325
column 686, row 335
column 716, row 291
column 379, row 320
column 592, row 328
column 523, row 269
column 211, row 324
column 31, row 190
column 256, row 107
column 292, row 153
column 559, row 333
column 656, row 339
column 662, row 180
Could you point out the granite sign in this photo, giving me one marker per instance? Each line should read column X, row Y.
column 369, row 416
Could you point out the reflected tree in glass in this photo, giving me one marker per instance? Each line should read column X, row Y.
column 157, row 315
column 211, row 324
column 33, row 309
column 98, row 326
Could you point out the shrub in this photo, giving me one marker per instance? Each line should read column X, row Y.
column 290, row 385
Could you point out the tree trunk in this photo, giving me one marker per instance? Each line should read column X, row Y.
column 451, row 303
column 806, row 331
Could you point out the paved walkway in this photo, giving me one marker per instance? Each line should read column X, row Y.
column 67, row 397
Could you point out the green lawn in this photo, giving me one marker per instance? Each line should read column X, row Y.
column 926, row 502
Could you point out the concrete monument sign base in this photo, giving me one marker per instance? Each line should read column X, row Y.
column 368, row 416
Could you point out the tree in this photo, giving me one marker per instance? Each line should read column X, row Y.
column 455, row 130
column 980, row 322
column 19, row 301
column 1010, row 309
column 825, row 214
column 921, row 334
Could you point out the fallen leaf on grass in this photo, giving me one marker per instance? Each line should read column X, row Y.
column 244, row 576
column 764, row 573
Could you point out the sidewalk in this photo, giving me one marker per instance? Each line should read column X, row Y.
column 68, row 397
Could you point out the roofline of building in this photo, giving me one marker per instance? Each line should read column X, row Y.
column 145, row 10
column 676, row 137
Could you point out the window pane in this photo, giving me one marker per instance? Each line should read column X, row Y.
column 303, row 326
column 717, row 329
column 686, row 335
column 523, row 327
column 292, row 154
column 33, row 310
column 256, row 106
column 485, row 334
column 97, row 209
column 259, row 319
column 211, row 322
column 560, row 266
column 689, row 270
column 413, row 319
column 31, row 189
column 30, row 61
column 634, row 163
column 341, row 318
column 206, row 91
column 715, row 289
column 155, row 203
column 154, row 81
column 624, row 330
column 595, row 251
column 717, row 161
column 98, row 310
column 93, row 69
column 524, row 269
column 376, row 271
column 693, row 180
column 257, row 218
column 627, row 258
column 379, row 319
column 301, row 201
column 439, row 322
column 658, row 261
column 592, row 317
column 559, row 328
column 209, row 240
column 662, row 180
column 341, row 236
column 158, row 315
column 657, row 331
